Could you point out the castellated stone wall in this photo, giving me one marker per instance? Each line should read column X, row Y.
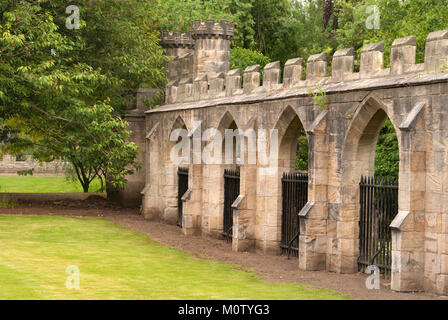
column 342, row 136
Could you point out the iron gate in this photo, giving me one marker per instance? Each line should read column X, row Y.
column 182, row 187
column 231, row 192
column 294, row 198
column 378, row 207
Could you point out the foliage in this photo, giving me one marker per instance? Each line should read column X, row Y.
column 387, row 156
column 319, row 97
column 57, row 97
column 302, row 153
column 8, row 203
column 398, row 18
column 241, row 58
column 25, row 173
column 300, row 33
column 178, row 15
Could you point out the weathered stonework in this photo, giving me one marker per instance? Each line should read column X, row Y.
column 342, row 139
column 9, row 165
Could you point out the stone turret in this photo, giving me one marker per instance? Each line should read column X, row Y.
column 212, row 47
column 177, row 43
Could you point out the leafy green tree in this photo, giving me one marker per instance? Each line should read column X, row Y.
column 387, row 157
column 302, row 152
column 53, row 100
column 118, row 38
column 178, row 15
column 301, row 34
column 243, row 58
column 397, row 18
column 268, row 17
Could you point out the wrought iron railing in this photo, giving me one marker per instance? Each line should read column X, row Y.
column 182, row 177
column 378, row 207
column 294, row 198
column 231, row 192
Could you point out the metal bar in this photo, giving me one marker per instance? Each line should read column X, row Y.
column 378, row 207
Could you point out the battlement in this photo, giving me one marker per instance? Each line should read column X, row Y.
column 203, row 86
column 177, row 39
column 211, row 29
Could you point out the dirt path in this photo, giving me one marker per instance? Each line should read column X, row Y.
column 271, row 268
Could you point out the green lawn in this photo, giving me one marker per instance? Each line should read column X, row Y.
column 16, row 184
column 116, row 263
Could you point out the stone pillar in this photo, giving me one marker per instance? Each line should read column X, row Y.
column 313, row 217
column 152, row 195
column 408, row 228
column 192, row 202
column 244, row 214
column 245, row 207
column 131, row 195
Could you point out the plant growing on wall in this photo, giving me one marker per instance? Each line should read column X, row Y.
column 319, row 97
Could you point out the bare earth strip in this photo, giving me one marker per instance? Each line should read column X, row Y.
column 271, row 268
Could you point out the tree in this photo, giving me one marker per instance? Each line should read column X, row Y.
column 396, row 19
column 387, row 157
column 242, row 58
column 119, row 38
column 302, row 152
column 178, row 15
column 54, row 101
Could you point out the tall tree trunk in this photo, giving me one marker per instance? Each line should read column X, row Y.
column 328, row 11
column 85, row 187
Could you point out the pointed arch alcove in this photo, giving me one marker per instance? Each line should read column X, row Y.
column 358, row 160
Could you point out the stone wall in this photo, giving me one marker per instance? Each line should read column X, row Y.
column 10, row 166
column 342, row 136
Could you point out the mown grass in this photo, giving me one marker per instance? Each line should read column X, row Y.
column 13, row 184
column 116, row 263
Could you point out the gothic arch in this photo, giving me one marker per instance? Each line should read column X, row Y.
column 358, row 154
column 358, row 159
column 289, row 126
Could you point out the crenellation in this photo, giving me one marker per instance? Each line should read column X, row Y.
column 200, row 87
column 372, row 60
column 206, row 60
column 177, row 43
column 217, row 86
column 403, row 55
column 212, row 46
column 343, row 65
column 292, row 73
column 271, row 76
column 251, row 80
column 316, row 67
column 185, row 90
column 171, row 91
column 208, row 29
column 233, row 82
column 436, row 51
